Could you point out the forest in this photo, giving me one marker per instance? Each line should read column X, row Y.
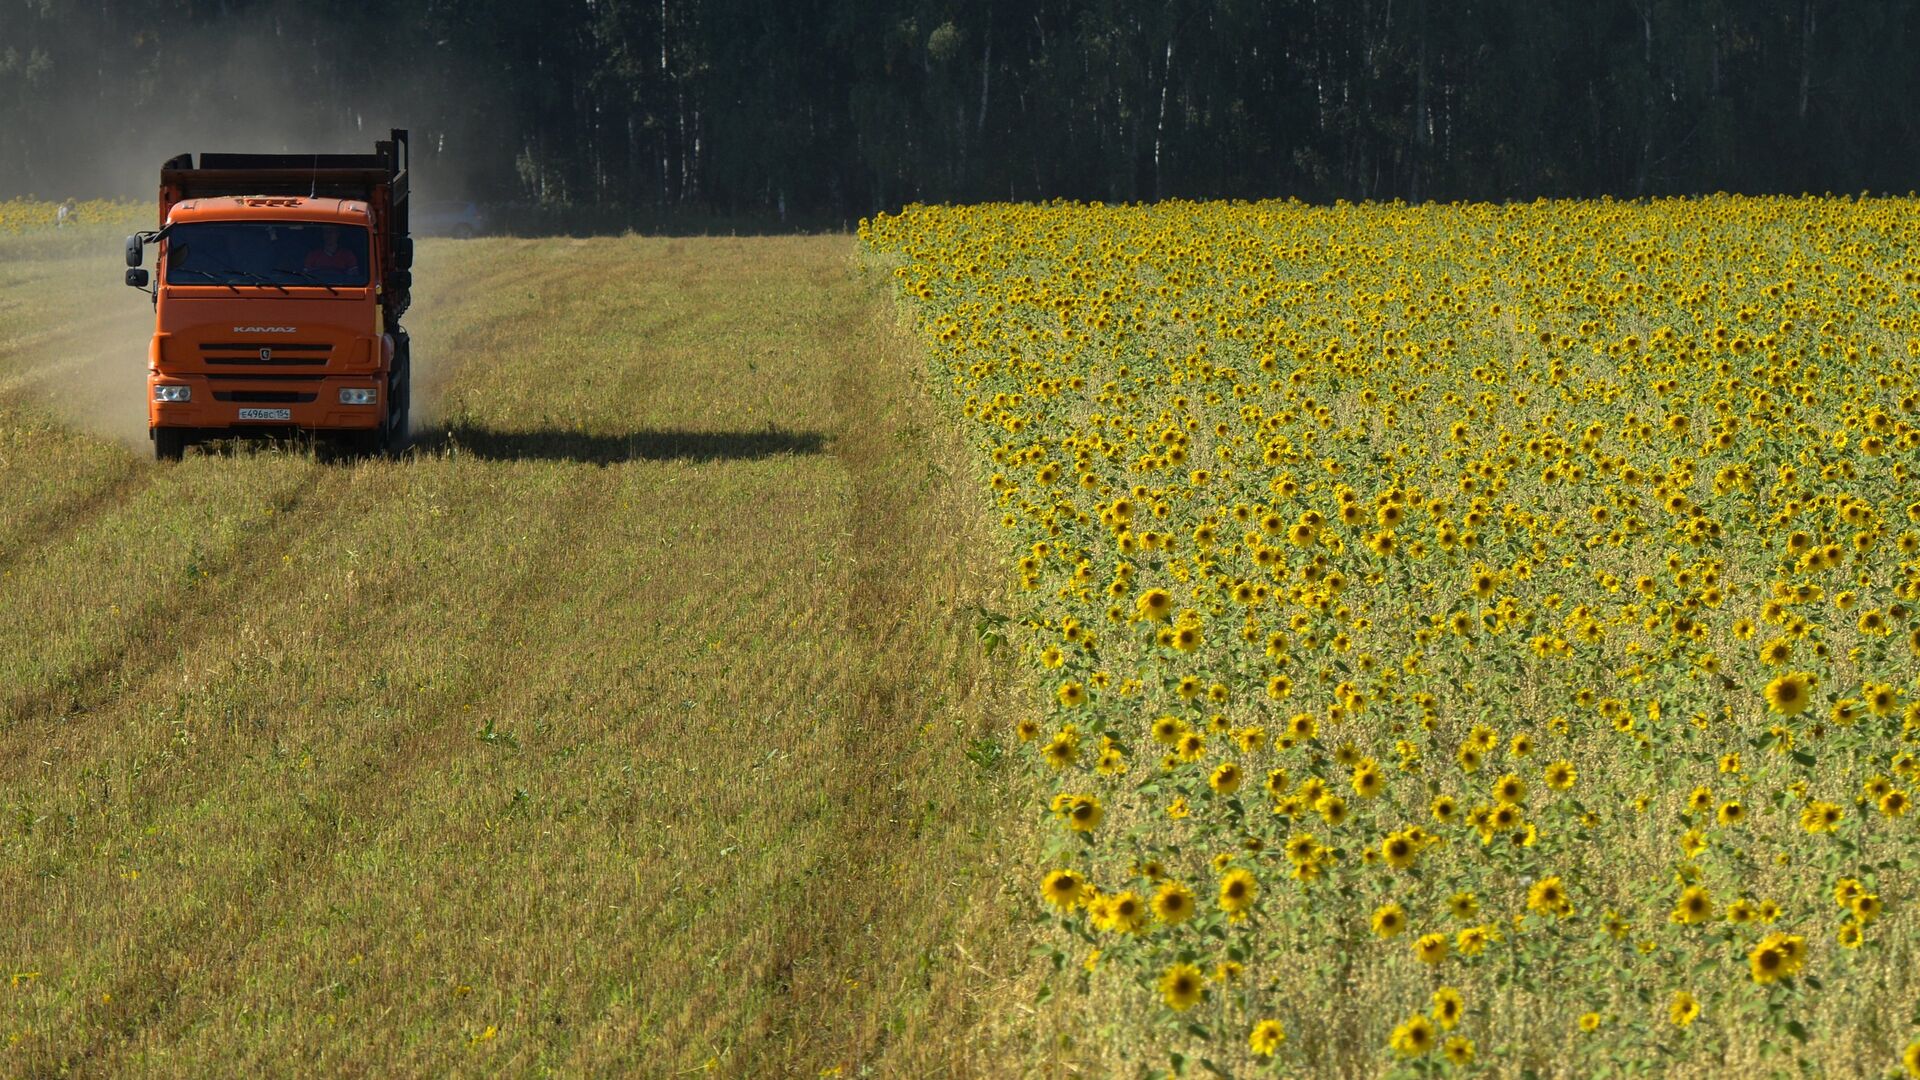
column 807, row 110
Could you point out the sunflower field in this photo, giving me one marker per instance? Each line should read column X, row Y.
column 1468, row 639
column 32, row 215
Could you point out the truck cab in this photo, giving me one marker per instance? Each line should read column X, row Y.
column 278, row 286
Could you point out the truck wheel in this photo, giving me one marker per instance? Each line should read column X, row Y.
column 169, row 443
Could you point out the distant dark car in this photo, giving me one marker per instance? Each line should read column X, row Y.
column 448, row 218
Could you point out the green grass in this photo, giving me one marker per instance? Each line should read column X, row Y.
column 621, row 727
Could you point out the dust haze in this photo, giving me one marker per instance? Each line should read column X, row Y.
column 81, row 355
column 276, row 80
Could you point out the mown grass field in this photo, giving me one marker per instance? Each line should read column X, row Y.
column 620, row 728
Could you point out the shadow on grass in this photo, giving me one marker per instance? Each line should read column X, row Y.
column 551, row 445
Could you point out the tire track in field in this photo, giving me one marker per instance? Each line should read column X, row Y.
column 907, row 533
column 194, row 619
column 200, row 608
column 861, row 951
column 378, row 781
column 375, row 781
column 182, row 616
column 42, row 356
column 797, row 955
column 62, row 519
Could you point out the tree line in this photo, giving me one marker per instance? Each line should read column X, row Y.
column 829, row 110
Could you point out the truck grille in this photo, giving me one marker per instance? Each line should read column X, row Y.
column 265, row 397
column 307, row 354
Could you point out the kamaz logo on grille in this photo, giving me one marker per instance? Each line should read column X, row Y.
column 266, row 329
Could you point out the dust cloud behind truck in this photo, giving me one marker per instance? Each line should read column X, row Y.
column 278, row 287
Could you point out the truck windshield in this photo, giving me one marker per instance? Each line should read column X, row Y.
column 266, row 253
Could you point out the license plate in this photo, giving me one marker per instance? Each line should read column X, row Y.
column 266, row 414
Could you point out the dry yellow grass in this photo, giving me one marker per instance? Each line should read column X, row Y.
column 622, row 727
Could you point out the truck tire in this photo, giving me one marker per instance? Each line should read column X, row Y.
column 169, row 443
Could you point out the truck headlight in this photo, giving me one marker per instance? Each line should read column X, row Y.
column 173, row 393
column 358, row 396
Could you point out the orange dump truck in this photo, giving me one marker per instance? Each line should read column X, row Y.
column 278, row 285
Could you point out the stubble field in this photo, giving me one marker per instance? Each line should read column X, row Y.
column 620, row 728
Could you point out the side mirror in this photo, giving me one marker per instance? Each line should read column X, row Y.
column 137, row 278
column 133, row 250
column 403, row 253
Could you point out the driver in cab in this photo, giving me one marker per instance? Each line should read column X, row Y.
column 330, row 255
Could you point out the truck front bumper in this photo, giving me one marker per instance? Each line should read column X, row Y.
column 311, row 403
